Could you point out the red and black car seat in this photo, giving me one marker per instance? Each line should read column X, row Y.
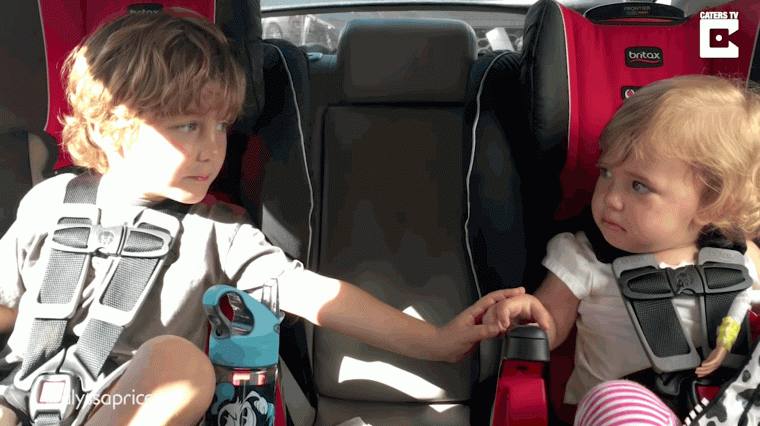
column 64, row 23
column 577, row 70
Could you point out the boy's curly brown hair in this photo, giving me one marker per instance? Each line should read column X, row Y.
column 145, row 66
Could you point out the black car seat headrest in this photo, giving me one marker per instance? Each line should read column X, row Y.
column 406, row 60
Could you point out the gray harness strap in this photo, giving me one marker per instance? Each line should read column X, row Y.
column 65, row 272
column 139, row 251
column 128, row 283
column 648, row 292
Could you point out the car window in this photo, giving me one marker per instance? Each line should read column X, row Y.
column 321, row 32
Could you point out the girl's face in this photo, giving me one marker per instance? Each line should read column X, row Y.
column 647, row 206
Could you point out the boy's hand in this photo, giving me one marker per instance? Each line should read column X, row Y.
column 461, row 334
column 522, row 309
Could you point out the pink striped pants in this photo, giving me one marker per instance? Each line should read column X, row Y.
column 623, row 403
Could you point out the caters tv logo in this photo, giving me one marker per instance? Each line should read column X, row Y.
column 643, row 57
column 715, row 29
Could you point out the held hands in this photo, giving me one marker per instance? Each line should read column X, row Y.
column 523, row 309
column 457, row 338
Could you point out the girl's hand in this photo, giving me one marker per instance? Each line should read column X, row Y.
column 522, row 309
column 712, row 362
column 457, row 338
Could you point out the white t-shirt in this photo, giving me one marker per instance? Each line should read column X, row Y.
column 607, row 346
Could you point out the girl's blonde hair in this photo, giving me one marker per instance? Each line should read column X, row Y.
column 713, row 125
column 145, row 66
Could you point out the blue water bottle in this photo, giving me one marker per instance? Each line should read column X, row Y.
column 244, row 352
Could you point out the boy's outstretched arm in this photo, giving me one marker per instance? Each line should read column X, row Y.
column 349, row 310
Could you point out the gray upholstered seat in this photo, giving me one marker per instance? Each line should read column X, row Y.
column 390, row 154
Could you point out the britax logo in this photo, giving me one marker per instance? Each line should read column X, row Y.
column 643, row 57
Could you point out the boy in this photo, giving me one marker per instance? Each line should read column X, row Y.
column 152, row 96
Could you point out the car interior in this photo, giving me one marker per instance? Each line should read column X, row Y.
column 405, row 150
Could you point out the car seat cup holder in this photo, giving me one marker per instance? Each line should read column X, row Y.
column 521, row 398
column 243, row 347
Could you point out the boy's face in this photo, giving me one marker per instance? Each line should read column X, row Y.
column 175, row 158
column 647, row 206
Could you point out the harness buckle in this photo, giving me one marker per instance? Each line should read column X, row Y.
column 140, row 242
column 160, row 229
column 54, row 394
column 55, row 388
column 686, row 280
column 646, row 288
column 74, row 221
column 648, row 292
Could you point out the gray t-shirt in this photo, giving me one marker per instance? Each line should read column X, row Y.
column 217, row 245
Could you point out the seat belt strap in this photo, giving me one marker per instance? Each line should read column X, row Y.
column 723, row 285
column 648, row 292
column 140, row 251
column 125, row 293
column 648, row 296
column 63, row 279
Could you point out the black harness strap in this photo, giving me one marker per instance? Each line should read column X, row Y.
column 139, row 250
column 131, row 277
column 648, row 293
column 65, row 271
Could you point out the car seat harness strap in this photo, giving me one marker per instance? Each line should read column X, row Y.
column 53, row 377
column 648, row 292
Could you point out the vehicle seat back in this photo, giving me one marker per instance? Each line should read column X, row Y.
column 390, row 154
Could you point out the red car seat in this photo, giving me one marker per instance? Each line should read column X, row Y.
column 577, row 70
column 66, row 22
